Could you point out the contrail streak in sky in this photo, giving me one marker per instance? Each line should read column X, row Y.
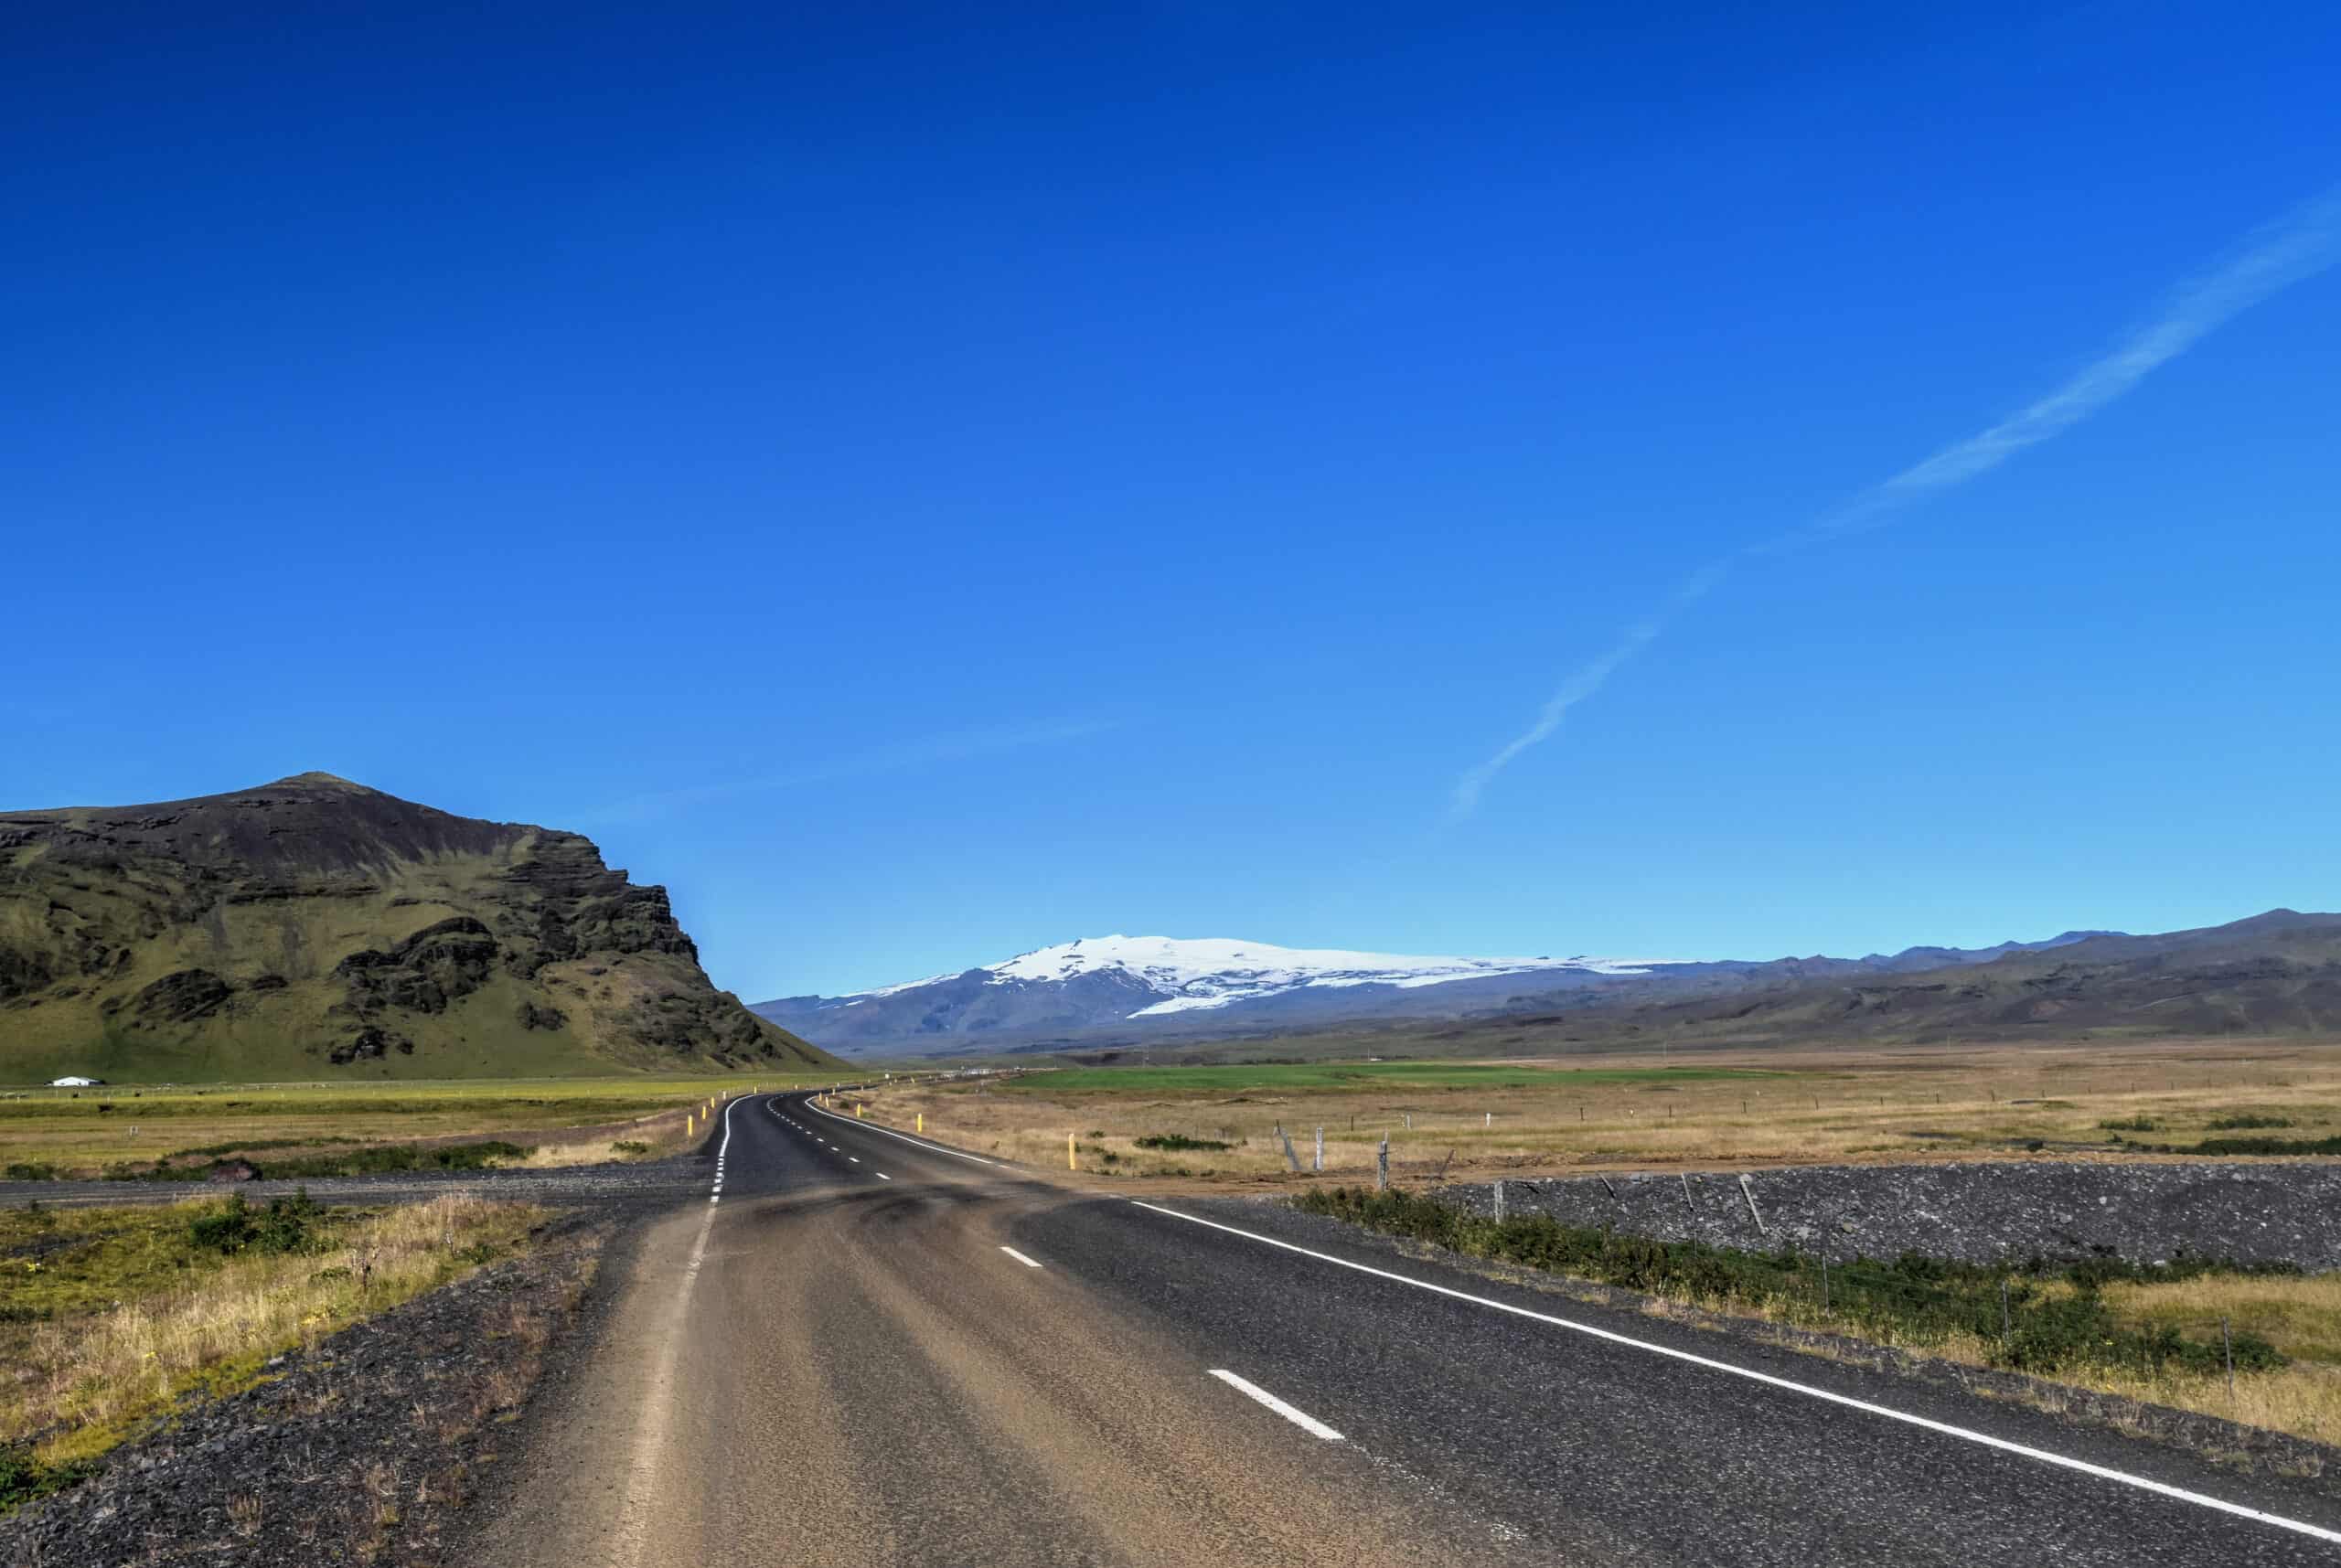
column 2299, row 245
column 925, row 751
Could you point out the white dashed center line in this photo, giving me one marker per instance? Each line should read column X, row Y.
column 1301, row 1419
column 1019, row 1257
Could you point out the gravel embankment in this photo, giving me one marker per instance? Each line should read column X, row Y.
column 361, row 1449
column 1979, row 1214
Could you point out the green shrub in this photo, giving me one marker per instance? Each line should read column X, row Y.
column 31, row 1170
column 1170, row 1141
column 628, row 1145
column 2246, row 1122
column 381, row 1160
column 2131, row 1125
column 2265, row 1146
column 24, row 1479
column 284, row 1226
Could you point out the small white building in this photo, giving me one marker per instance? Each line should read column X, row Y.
column 72, row 1081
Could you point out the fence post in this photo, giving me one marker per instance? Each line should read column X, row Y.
column 1693, row 1207
column 2007, row 1326
column 1747, row 1190
column 2226, row 1347
column 1290, row 1159
column 1382, row 1167
column 1500, row 1201
column 1487, row 1118
column 1321, row 1149
column 1825, row 1304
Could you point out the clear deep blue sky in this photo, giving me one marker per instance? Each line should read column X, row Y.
column 926, row 483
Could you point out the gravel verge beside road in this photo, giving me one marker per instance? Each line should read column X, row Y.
column 1982, row 1212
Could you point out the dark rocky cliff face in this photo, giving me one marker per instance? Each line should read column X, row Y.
column 314, row 922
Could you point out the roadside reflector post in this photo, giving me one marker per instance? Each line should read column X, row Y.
column 1487, row 1118
column 1382, row 1167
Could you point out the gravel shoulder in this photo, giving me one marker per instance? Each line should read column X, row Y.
column 366, row 1448
column 2270, row 1212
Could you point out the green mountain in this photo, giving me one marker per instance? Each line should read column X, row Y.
column 313, row 928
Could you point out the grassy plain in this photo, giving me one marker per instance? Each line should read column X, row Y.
column 110, row 1316
column 1641, row 1110
column 567, row 1120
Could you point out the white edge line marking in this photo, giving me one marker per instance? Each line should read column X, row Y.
column 2161, row 1488
column 914, row 1143
column 715, row 1194
column 1019, row 1257
column 853, row 1159
column 1300, row 1418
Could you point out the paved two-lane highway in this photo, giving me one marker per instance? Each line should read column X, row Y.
column 867, row 1350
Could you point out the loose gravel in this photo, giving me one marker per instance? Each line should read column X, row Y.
column 363, row 1448
column 1983, row 1212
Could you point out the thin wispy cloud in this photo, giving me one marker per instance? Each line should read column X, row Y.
column 925, row 751
column 2299, row 245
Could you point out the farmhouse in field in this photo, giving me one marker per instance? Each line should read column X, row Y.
column 72, row 1081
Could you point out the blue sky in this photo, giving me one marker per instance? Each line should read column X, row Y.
column 927, row 483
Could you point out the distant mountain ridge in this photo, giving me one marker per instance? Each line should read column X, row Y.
column 314, row 927
column 1138, row 990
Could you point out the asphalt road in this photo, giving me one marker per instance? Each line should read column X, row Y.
column 866, row 1351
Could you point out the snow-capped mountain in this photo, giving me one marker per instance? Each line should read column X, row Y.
column 1144, row 987
column 1213, row 972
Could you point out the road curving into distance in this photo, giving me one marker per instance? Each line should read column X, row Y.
column 869, row 1349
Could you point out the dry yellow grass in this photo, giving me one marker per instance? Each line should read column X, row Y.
column 1647, row 1110
column 85, row 1131
column 76, row 1385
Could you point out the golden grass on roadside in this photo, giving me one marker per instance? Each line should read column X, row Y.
column 80, row 1383
column 2300, row 1314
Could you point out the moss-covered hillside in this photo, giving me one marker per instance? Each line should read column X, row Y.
column 316, row 928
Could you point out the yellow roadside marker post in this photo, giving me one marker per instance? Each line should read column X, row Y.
column 1070, row 1162
column 688, row 1124
column 857, row 1110
column 922, row 1121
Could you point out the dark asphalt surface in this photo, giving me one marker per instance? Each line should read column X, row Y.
column 838, row 1363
